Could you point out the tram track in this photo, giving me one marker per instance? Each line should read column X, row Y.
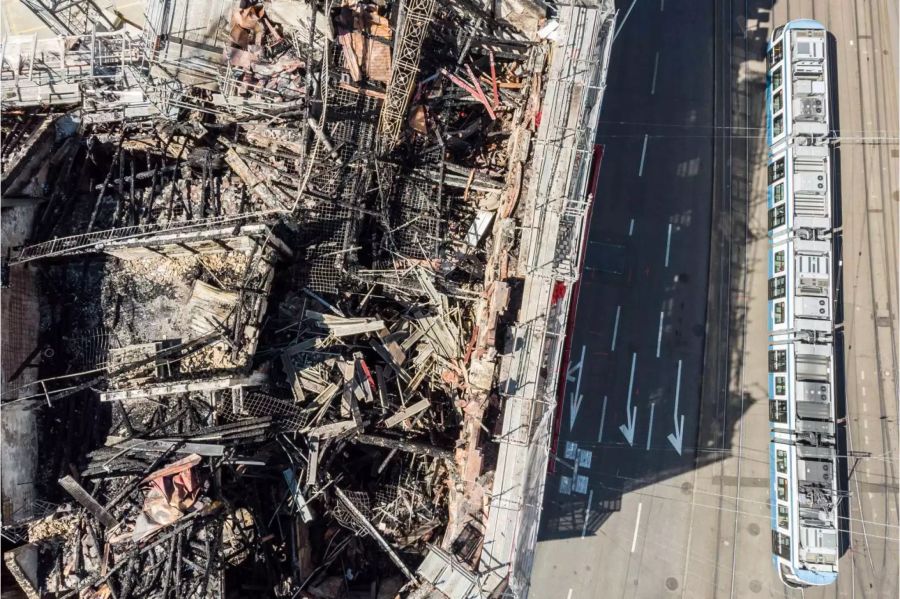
column 881, row 361
column 721, row 187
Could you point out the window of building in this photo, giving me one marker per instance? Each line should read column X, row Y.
column 781, row 460
column 776, row 170
column 778, row 316
column 778, row 125
column 776, row 79
column 778, row 411
column 776, row 288
column 778, row 261
column 781, row 488
column 783, row 517
column 780, row 383
column 777, row 360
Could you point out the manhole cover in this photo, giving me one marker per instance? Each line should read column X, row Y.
column 686, row 488
column 755, row 586
column 671, row 583
column 754, row 529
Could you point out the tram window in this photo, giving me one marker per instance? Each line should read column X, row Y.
column 777, row 102
column 776, row 217
column 777, row 360
column 776, row 170
column 778, row 193
column 776, row 288
column 777, row 51
column 781, row 461
column 779, row 385
column 778, row 261
column 778, row 125
column 778, row 411
column 779, row 313
column 782, row 517
column 776, row 79
column 781, row 488
column 781, row 545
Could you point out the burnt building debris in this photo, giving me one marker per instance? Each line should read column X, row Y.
column 301, row 273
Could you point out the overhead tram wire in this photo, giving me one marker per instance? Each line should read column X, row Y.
column 882, row 458
column 735, row 497
column 765, row 516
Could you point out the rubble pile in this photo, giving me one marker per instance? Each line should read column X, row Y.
column 281, row 324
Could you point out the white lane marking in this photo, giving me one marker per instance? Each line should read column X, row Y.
column 587, row 513
column 668, row 244
column 643, row 155
column 862, row 375
column 865, row 407
column 569, row 596
column 866, row 439
column 602, row 421
column 612, row 347
column 631, row 228
column 662, row 5
column 863, row 388
column 659, row 336
column 866, row 424
column 637, row 523
column 655, row 70
column 650, row 430
column 619, row 30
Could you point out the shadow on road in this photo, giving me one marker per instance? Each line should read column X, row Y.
column 723, row 402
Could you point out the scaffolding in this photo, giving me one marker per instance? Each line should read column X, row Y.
column 69, row 17
column 53, row 71
column 415, row 23
column 561, row 200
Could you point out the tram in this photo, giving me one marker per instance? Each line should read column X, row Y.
column 801, row 270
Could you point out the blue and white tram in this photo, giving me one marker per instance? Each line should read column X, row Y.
column 797, row 83
column 805, row 535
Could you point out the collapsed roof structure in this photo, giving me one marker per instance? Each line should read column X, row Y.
column 297, row 276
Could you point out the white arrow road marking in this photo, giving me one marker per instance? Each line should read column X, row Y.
column 677, row 439
column 575, row 398
column 602, row 421
column 650, row 431
column 628, row 429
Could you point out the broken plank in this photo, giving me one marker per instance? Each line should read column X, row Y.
column 161, row 446
column 87, row 501
column 403, row 445
column 333, row 429
column 407, row 412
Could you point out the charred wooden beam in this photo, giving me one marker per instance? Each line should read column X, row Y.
column 404, row 445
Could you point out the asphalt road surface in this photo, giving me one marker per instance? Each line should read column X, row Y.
column 626, row 515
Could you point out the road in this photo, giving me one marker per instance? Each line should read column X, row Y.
column 683, row 129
